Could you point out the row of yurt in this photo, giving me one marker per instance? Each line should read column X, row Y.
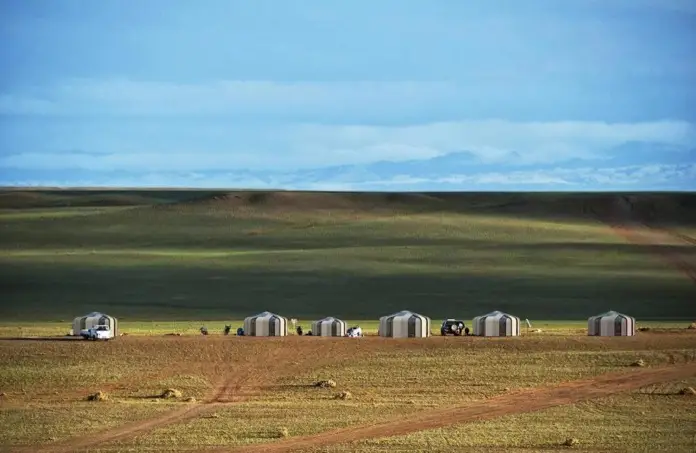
column 403, row 324
column 92, row 320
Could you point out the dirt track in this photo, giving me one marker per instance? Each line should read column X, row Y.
column 513, row 403
column 623, row 222
column 228, row 390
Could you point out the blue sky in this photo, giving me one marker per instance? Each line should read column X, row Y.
column 386, row 95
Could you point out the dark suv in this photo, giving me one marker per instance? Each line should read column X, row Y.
column 453, row 327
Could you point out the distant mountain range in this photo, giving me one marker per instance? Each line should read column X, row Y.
column 634, row 165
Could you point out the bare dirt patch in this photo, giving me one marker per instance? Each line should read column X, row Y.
column 266, row 361
column 511, row 403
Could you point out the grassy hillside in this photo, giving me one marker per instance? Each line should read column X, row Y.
column 185, row 255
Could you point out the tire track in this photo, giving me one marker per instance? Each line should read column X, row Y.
column 514, row 403
column 681, row 236
column 619, row 219
column 276, row 362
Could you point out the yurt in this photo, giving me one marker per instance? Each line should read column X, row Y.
column 496, row 324
column 94, row 319
column 611, row 324
column 329, row 327
column 266, row 324
column 404, row 324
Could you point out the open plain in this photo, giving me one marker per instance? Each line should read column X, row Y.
column 167, row 262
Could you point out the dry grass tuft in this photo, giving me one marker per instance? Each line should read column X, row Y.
column 99, row 396
column 639, row 363
column 688, row 391
column 326, row 384
column 171, row 393
column 283, row 432
column 190, row 399
column 343, row 396
column 571, row 442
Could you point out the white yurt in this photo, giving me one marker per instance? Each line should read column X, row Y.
column 266, row 324
column 404, row 324
column 94, row 319
column 496, row 324
column 329, row 327
column 611, row 324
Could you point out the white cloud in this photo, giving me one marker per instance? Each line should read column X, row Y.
column 675, row 177
column 129, row 97
column 315, row 146
column 496, row 140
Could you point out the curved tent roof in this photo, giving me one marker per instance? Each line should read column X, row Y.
column 93, row 319
column 329, row 327
column 496, row 324
column 266, row 324
column 611, row 324
column 404, row 324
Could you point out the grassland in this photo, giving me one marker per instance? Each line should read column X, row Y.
column 171, row 261
column 215, row 257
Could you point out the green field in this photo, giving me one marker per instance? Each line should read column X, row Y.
column 202, row 255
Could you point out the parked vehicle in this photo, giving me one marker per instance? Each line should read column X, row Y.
column 354, row 332
column 97, row 333
column 453, row 327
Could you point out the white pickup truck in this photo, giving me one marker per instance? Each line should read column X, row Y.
column 97, row 333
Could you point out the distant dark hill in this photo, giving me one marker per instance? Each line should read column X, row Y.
column 59, row 198
column 663, row 207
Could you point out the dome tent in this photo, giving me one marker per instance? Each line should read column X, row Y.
column 329, row 327
column 266, row 324
column 404, row 324
column 611, row 324
column 496, row 324
column 92, row 320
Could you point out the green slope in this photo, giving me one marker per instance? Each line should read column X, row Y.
column 215, row 255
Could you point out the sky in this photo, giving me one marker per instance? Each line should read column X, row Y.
column 349, row 95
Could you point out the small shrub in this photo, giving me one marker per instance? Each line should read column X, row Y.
column 283, row 432
column 326, row 384
column 343, row 396
column 690, row 391
column 638, row 363
column 190, row 399
column 99, row 396
column 692, row 325
column 571, row 442
column 171, row 393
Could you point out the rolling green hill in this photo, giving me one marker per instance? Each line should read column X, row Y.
column 174, row 254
